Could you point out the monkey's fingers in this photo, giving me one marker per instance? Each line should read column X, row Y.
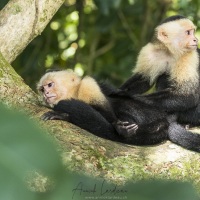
column 132, row 128
column 127, row 125
column 120, row 123
column 126, row 129
column 51, row 115
column 48, row 116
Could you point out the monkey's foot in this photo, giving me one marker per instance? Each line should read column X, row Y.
column 52, row 115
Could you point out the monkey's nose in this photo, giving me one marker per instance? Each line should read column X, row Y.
column 195, row 40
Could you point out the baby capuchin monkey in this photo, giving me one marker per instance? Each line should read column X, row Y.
column 91, row 106
column 171, row 63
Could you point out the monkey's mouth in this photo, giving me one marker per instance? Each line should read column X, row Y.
column 193, row 47
column 50, row 99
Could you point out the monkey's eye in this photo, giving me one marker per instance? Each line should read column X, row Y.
column 188, row 32
column 50, row 84
column 41, row 89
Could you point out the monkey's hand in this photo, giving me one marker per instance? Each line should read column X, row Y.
column 52, row 115
column 125, row 129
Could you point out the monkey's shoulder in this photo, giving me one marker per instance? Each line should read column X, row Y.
column 153, row 61
column 90, row 91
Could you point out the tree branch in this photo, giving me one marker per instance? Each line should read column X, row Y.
column 21, row 22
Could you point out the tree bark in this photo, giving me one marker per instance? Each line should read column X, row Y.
column 21, row 21
column 80, row 150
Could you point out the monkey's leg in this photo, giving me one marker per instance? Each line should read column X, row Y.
column 191, row 117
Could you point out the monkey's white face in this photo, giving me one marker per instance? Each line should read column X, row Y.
column 56, row 86
column 178, row 36
column 185, row 40
column 48, row 91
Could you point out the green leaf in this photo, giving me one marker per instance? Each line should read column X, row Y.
column 23, row 148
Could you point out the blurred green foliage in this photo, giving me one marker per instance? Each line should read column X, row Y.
column 24, row 149
column 98, row 38
column 31, row 169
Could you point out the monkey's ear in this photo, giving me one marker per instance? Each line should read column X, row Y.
column 162, row 35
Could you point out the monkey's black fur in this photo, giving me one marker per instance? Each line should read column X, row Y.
column 172, row 18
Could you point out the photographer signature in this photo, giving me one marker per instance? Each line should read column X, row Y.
column 104, row 189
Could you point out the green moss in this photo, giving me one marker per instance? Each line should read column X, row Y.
column 117, row 164
column 1, row 74
column 122, row 169
column 16, row 9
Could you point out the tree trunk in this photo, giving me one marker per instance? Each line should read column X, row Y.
column 81, row 151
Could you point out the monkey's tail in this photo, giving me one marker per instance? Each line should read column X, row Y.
column 187, row 139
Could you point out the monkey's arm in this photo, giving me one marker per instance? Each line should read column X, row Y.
column 84, row 116
column 137, row 84
column 166, row 98
column 169, row 101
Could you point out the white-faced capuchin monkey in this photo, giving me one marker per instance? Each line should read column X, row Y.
column 85, row 103
column 171, row 63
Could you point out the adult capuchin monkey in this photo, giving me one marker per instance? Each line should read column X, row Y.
column 171, row 63
column 85, row 103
